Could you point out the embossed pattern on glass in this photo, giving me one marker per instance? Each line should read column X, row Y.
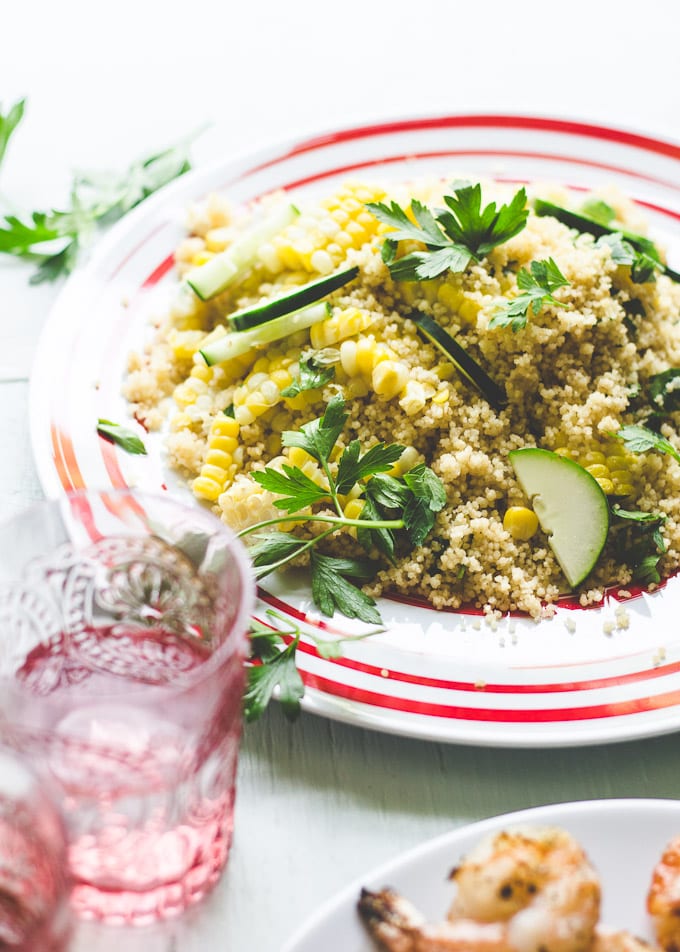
column 123, row 623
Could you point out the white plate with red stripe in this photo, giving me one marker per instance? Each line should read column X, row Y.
column 580, row 678
column 624, row 840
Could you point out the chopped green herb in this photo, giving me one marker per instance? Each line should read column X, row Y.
column 642, row 544
column 591, row 226
column 640, row 439
column 332, row 591
column 121, row 436
column 313, row 374
column 537, row 286
column 8, row 124
column 642, row 265
column 274, row 667
column 406, row 505
column 53, row 240
column 664, row 390
column 454, row 236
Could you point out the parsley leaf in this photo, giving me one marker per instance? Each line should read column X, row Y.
column 664, row 389
column 642, row 265
column 643, row 544
column 592, row 226
column 297, row 490
column 53, row 240
column 537, row 288
column 319, row 436
column 640, row 439
column 276, row 669
column 274, row 547
column 428, row 497
column 121, row 436
column 453, row 237
column 313, row 374
column 332, row 591
column 8, row 124
column 352, row 466
column 408, row 503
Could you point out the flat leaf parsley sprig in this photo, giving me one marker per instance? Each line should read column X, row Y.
column 536, row 290
column 396, row 510
column 53, row 240
column 272, row 664
column 453, row 236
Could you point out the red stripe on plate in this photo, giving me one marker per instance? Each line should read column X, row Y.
column 65, row 459
column 554, row 687
column 516, row 716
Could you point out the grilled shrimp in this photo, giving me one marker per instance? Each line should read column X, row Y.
column 609, row 940
column 525, row 890
column 663, row 898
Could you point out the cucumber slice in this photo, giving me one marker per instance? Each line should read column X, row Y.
column 214, row 276
column 238, row 342
column 293, row 300
column 570, row 505
column 464, row 364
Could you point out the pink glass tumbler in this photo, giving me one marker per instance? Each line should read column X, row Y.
column 34, row 882
column 122, row 649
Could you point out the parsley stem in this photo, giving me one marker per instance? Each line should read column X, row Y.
column 335, row 520
column 261, row 571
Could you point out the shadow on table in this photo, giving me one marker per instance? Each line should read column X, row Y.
column 389, row 773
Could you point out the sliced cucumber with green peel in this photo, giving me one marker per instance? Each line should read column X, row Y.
column 467, row 366
column 293, row 300
column 211, row 278
column 238, row 342
column 570, row 505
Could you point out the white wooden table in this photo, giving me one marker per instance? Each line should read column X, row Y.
column 318, row 803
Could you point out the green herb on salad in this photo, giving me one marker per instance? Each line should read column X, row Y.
column 272, row 664
column 53, row 240
column 315, row 371
column 642, row 545
column 400, row 511
column 640, row 439
column 121, row 436
column 647, row 258
column 8, row 123
column 453, row 237
column 536, row 287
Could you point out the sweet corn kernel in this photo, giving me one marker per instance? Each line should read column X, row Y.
column 520, row 522
column 389, row 378
column 217, row 239
column 206, row 488
column 623, row 489
column 216, row 473
column 606, row 485
column 354, row 508
column 441, row 396
column 598, row 470
column 218, row 458
column 413, row 400
column 226, row 444
column 592, row 458
column 224, row 426
column 297, row 456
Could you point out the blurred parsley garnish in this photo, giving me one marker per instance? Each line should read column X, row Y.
column 53, row 240
column 121, row 436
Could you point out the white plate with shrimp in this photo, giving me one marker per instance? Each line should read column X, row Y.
column 623, row 840
column 609, row 673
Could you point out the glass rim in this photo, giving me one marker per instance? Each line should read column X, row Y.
column 182, row 681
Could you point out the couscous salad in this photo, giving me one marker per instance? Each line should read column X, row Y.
column 451, row 390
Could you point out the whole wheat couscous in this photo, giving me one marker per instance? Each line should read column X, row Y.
column 572, row 321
